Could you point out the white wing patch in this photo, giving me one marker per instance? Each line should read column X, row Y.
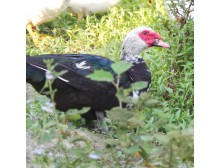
column 81, row 65
column 135, row 94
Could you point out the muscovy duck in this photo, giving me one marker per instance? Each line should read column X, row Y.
column 75, row 90
column 41, row 11
column 87, row 7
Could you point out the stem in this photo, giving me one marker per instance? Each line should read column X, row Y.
column 184, row 47
column 188, row 9
column 117, row 87
column 60, row 140
column 170, row 157
column 52, row 96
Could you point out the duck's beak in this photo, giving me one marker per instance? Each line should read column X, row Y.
column 161, row 43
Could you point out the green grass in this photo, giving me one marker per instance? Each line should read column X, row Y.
column 172, row 81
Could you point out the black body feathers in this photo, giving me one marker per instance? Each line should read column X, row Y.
column 74, row 89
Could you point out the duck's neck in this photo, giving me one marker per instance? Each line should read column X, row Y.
column 131, row 49
column 129, row 57
column 139, row 70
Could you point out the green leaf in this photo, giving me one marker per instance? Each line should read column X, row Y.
column 77, row 111
column 28, row 123
column 62, row 126
column 101, row 75
column 152, row 103
column 121, row 67
column 72, row 117
column 132, row 149
column 120, row 116
column 139, row 85
column 170, row 91
column 119, row 154
column 123, row 94
column 146, row 138
column 75, row 114
column 146, row 100
column 46, row 136
column 162, row 138
column 49, row 124
column 134, row 122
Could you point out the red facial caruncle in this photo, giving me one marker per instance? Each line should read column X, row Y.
column 151, row 38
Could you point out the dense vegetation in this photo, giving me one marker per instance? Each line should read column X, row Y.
column 163, row 119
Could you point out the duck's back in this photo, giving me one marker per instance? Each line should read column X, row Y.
column 74, row 89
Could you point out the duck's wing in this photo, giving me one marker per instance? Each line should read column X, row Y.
column 77, row 67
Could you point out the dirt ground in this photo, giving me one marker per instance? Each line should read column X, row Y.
column 32, row 147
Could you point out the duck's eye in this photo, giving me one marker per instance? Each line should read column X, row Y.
column 144, row 32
